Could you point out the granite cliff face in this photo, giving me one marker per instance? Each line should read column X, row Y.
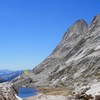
column 75, row 61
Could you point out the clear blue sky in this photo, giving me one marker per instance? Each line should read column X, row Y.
column 31, row 29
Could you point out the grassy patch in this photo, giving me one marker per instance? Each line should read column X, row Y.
column 56, row 91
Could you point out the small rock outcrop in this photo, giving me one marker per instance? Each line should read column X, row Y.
column 7, row 91
column 89, row 92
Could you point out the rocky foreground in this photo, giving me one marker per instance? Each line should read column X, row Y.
column 8, row 92
column 41, row 96
column 89, row 92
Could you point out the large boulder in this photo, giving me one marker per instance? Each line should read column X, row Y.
column 7, row 91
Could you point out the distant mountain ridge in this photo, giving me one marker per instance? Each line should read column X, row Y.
column 8, row 75
column 5, row 72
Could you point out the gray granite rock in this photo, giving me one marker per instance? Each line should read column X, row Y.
column 7, row 91
column 75, row 60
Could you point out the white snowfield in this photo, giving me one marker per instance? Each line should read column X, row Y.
column 18, row 97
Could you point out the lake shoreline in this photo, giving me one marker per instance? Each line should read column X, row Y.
column 25, row 92
column 41, row 96
column 50, row 94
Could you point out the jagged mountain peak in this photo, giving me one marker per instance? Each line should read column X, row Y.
column 79, row 27
column 96, row 18
column 80, row 21
column 94, row 25
column 95, row 21
column 72, row 35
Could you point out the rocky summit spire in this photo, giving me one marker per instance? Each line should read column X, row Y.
column 96, row 20
column 79, row 27
column 94, row 25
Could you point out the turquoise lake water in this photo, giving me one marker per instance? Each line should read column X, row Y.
column 25, row 92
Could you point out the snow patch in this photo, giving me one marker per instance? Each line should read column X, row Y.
column 18, row 97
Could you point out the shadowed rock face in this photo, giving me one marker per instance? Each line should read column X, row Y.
column 75, row 60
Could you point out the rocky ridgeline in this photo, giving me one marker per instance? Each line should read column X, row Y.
column 74, row 63
column 7, row 91
column 76, row 59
